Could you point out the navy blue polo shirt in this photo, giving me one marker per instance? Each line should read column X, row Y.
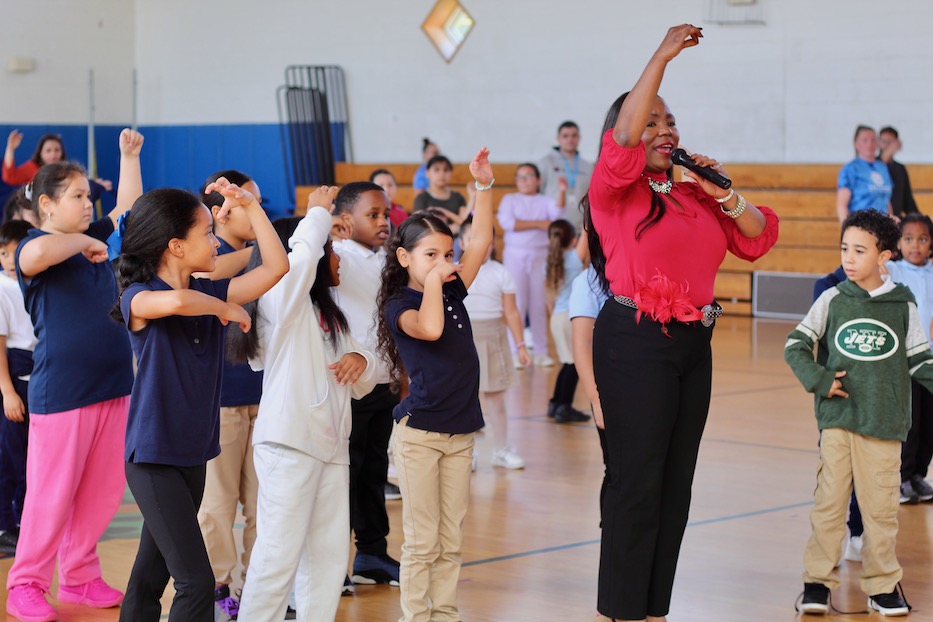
column 175, row 406
column 241, row 386
column 83, row 357
column 444, row 391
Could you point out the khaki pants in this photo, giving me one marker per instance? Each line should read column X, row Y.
column 231, row 477
column 874, row 467
column 434, row 472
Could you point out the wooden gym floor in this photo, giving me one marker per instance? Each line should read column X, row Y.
column 531, row 547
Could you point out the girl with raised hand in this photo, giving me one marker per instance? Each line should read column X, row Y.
column 176, row 325
column 425, row 331
column 312, row 367
column 78, row 392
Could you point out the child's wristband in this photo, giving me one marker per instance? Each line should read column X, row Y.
column 519, row 346
column 486, row 187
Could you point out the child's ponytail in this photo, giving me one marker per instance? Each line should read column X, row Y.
column 560, row 234
column 156, row 218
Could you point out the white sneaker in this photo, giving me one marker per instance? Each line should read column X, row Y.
column 854, row 549
column 544, row 360
column 507, row 458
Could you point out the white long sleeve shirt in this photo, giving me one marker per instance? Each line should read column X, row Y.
column 302, row 405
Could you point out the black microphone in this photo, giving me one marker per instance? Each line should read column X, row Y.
column 679, row 156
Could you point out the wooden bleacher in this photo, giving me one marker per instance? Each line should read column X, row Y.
column 803, row 195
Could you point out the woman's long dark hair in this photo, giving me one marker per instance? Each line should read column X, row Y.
column 655, row 214
column 157, row 217
column 560, row 234
column 395, row 277
column 37, row 154
column 243, row 346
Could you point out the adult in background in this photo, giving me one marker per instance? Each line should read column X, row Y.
column 864, row 183
column 656, row 245
column 902, row 197
column 49, row 150
column 564, row 162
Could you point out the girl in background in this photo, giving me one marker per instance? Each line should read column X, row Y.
column 525, row 216
column 312, row 368
column 420, row 179
column 425, row 331
column 386, row 180
column 176, row 325
column 563, row 266
column 438, row 198
column 491, row 307
column 78, row 391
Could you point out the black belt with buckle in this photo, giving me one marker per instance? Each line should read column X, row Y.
column 711, row 312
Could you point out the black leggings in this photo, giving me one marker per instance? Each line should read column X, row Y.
column 170, row 545
column 654, row 390
column 566, row 384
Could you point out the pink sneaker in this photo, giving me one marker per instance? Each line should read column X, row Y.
column 94, row 593
column 27, row 603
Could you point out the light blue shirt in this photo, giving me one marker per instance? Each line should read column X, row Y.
column 920, row 281
column 572, row 268
column 870, row 185
column 586, row 297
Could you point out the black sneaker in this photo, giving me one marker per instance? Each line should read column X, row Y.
column 924, row 491
column 551, row 409
column 565, row 413
column 290, row 614
column 893, row 604
column 372, row 569
column 8, row 542
column 909, row 496
column 815, row 598
column 393, row 492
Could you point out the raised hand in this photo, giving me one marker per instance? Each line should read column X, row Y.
column 235, row 313
column 233, row 195
column 480, row 167
column 14, row 139
column 323, row 197
column 349, row 368
column 679, row 38
column 131, row 143
column 562, row 184
column 341, row 227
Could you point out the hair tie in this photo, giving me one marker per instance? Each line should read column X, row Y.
column 27, row 191
column 115, row 239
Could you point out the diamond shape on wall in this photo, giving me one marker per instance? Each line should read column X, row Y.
column 447, row 26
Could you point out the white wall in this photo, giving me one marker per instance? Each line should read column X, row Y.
column 67, row 38
column 791, row 90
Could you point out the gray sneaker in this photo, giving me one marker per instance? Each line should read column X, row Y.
column 924, row 491
column 908, row 494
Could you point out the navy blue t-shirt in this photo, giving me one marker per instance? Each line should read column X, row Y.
column 175, row 406
column 444, row 391
column 241, row 386
column 83, row 357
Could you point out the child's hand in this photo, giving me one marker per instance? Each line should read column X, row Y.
column 349, row 368
column 445, row 270
column 233, row 195
column 480, row 167
column 13, row 407
column 131, row 143
column 836, row 389
column 235, row 313
column 323, row 197
column 341, row 227
column 523, row 357
column 13, row 140
column 106, row 183
column 96, row 251
column 562, row 184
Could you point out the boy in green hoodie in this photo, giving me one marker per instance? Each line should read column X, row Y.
column 870, row 342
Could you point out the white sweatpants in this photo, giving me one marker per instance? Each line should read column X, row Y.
column 527, row 270
column 303, row 526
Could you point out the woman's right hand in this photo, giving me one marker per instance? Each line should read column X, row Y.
column 235, row 313
column 13, row 140
column 678, row 38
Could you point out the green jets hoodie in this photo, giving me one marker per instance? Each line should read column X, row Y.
column 879, row 343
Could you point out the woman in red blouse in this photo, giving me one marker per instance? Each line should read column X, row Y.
column 657, row 247
column 50, row 149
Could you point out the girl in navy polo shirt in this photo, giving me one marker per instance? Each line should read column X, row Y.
column 78, row 392
column 176, row 325
column 425, row 332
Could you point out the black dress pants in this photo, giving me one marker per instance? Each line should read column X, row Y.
column 170, row 545
column 369, row 461
column 654, row 389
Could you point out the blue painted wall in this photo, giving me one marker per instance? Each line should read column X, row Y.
column 179, row 156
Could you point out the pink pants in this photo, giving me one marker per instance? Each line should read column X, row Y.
column 74, row 484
